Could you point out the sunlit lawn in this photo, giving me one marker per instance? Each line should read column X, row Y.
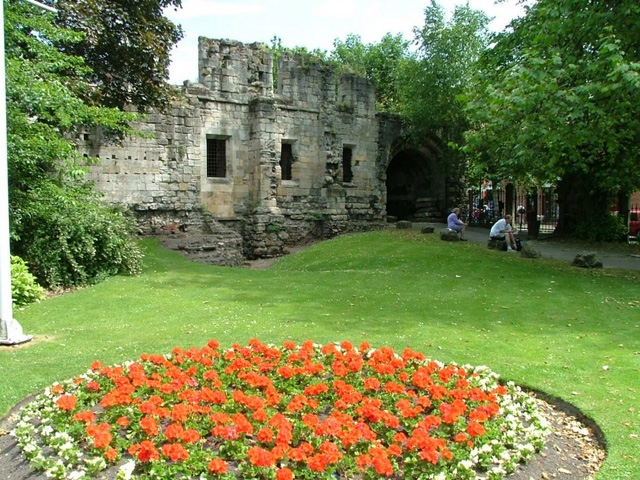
column 570, row 332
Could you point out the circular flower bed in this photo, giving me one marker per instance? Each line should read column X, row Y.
column 299, row 411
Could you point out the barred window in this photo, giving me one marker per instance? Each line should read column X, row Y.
column 347, row 172
column 216, row 157
column 286, row 161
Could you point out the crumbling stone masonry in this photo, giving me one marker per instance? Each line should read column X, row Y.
column 278, row 166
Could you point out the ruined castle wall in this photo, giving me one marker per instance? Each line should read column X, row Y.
column 321, row 116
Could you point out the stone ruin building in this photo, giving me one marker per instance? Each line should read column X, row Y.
column 258, row 167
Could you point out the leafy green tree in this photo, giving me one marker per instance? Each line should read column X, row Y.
column 46, row 188
column 557, row 100
column 441, row 71
column 379, row 62
column 126, row 44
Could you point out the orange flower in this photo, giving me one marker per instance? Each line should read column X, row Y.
column 149, row 425
column 260, row 415
column 173, row 431
column 242, row 424
column 180, row 412
column 101, row 434
column 265, row 435
column 289, row 345
column 93, row 386
column 393, row 387
column 86, row 417
column 190, row 436
column 348, row 346
column 284, row 474
column 217, row 465
column 145, row 451
column 66, row 402
column 260, row 457
column 123, row 422
column 372, row 383
column 111, row 454
column 175, row 451
column 460, row 438
column 475, row 429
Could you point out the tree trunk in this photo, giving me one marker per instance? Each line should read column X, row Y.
column 578, row 203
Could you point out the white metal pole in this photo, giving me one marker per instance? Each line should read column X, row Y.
column 38, row 4
column 10, row 330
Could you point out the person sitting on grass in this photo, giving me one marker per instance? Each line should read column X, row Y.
column 502, row 230
column 454, row 223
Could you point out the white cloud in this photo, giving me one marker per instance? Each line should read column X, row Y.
column 309, row 23
column 203, row 8
column 342, row 9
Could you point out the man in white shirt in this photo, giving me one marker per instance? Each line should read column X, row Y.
column 502, row 229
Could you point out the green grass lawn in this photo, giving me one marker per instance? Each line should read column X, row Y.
column 540, row 323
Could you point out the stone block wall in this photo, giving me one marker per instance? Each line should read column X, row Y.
column 163, row 176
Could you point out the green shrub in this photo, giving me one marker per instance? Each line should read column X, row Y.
column 74, row 240
column 602, row 228
column 24, row 286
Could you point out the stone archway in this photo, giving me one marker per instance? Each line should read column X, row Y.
column 410, row 189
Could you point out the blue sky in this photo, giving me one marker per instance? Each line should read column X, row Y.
column 309, row 23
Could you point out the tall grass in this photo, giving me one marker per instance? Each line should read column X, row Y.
column 570, row 332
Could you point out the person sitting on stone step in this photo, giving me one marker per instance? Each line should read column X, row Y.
column 454, row 223
column 503, row 230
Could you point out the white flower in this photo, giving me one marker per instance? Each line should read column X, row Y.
column 76, row 475
column 126, row 470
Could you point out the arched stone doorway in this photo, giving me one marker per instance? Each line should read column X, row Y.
column 410, row 192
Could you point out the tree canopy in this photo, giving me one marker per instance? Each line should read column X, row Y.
column 557, row 99
column 433, row 80
column 126, row 44
column 379, row 62
column 58, row 225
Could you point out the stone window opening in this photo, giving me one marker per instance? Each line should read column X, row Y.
column 347, row 167
column 216, row 157
column 286, row 161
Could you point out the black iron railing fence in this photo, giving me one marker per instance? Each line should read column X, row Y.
column 534, row 211
column 634, row 222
